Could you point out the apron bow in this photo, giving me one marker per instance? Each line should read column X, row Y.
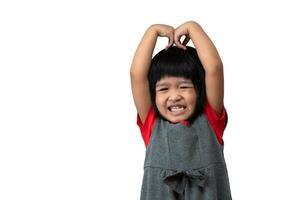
column 177, row 180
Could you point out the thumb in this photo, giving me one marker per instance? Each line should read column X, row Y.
column 178, row 43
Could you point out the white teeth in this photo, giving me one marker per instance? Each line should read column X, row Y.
column 176, row 108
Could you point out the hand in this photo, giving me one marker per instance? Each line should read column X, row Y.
column 182, row 30
column 165, row 31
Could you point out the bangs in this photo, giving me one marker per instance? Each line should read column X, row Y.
column 172, row 62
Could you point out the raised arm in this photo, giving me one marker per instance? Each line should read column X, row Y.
column 141, row 63
column 209, row 58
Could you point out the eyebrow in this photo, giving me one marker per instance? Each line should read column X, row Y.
column 180, row 82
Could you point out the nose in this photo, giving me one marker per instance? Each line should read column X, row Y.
column 174, row 96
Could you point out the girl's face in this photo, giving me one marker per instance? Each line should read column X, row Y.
column 175, row 98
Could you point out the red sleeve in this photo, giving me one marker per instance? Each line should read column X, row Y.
column 218, row 123
column 146, row 128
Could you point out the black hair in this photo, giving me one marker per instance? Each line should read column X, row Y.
column 177, row 62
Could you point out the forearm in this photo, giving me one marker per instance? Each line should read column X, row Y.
column 143, row 55
column 206, row 50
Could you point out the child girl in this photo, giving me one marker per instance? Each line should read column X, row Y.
column 179, row 99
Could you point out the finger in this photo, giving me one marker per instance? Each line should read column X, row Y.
column 186, row 40
column 177, row 41
column 171, row 41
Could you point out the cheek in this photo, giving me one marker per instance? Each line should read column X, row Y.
column 159, row 100
column 192, row 99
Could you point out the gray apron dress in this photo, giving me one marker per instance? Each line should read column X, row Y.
column 184, row 163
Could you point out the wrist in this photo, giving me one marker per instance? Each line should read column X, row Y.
column 153, row 29
column 193, row 29
column 191, row 25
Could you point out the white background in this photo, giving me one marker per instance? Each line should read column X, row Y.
column 67, row 118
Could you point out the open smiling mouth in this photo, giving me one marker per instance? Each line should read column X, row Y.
column 177, row 109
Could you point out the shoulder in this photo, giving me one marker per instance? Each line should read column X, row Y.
column 217, row 122
column 146, row 127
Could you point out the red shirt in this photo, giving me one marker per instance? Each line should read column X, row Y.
column 218, row 123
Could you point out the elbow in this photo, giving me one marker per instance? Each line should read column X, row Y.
column 138, row 74
column 132, row 73
column 215, row 68
column 219, row 67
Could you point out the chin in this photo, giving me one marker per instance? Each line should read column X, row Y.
column 173, row 121
column 176, row 119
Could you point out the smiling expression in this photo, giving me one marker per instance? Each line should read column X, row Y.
column 175, row 98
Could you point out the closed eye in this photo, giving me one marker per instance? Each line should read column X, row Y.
column 162, row 89
column 186, row 87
